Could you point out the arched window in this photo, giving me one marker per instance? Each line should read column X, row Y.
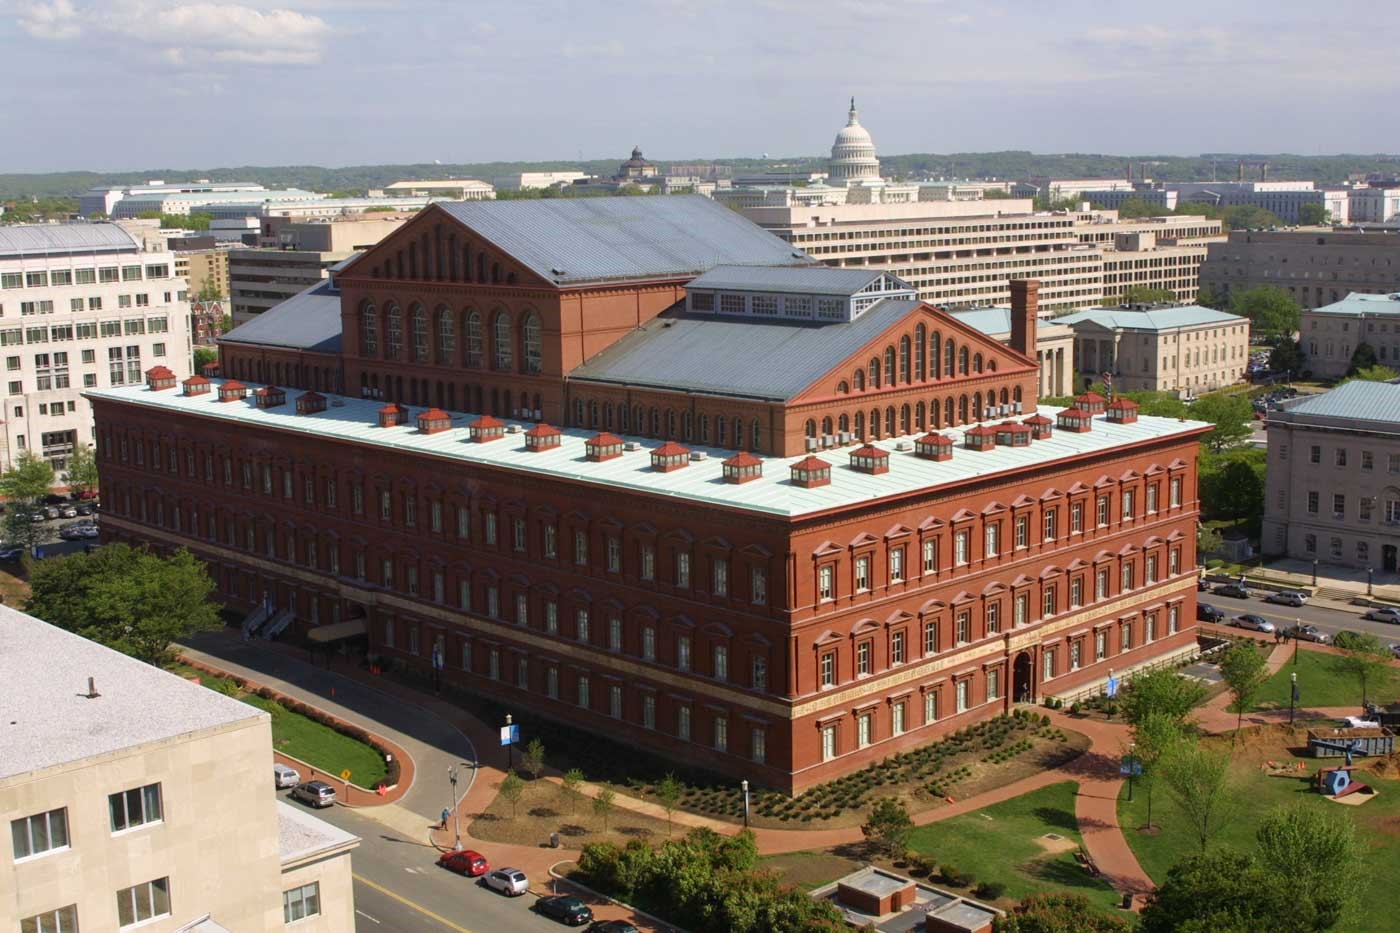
column 393, row 341
column 905, row 425
column 919, row 416
column 843, row 387
column 935, row 356
column 904, row 359
column 810, row 428
column 874, row 369
column 889, row 366
column 860, row 425
column 826, row 426
column 721, row 431
column 446, row 336
column 948, row 352
column 687, row 426
column 472, row 339
column 889, row 421
column 977, row 411
column 962, row 361
column 860, row 380
column 655, row 423
column 1004, row 397
column 991, row 366
column 843, row 423
column 670, row 423
column 704, row 429
column 639, row 425
column 757, row 436
column 962, row 409
column 502, row 358
column 1016, row 394
column 593, row 413
column 947, row 413
column 418, row 330
column 578, row 412
column 977, row 363
column 920, row 349
column 607, row 416
column 369, row 330
column 530, row 342
column 875, row 423
column 624, row 418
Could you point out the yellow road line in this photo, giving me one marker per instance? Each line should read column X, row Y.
column 407, row 903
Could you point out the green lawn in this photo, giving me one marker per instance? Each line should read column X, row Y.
column 998, row 843
column 1321, row 682
column 299, row 736
column 1255, row 794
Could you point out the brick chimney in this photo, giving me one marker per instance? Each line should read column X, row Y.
column 1024, row 302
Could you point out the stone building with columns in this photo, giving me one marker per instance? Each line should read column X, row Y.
column 1184, row 350
column 1054, row 345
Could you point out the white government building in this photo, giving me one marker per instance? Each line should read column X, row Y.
column 82, row 305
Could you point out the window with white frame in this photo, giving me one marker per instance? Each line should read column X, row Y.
column 863, row 660
column 721, row 662
column 896, row 564
column 1023, row 531
column 614, row 634
column 993, row 684
column 1102, row 513
column 683, row 722
column 1047, row 601
column 583, row 688
column 648, row 711
column 993, row 617
column 930, row 706
column 758, row 744
column 1047, row 657
column 828, row 742
column 962, row 627
column 862, row 574
column 1050, row 522
column 758, row 673
column 930, row 638
column 1021, row 609
column 961, row 547
column 828, row 669
column 1075, row 650
column 142, row 902
column 301, row 902
column 40, row 833
column 648, row 562
column 136, row 807
column 826, row 582
column 62, row 920
column 1100, row 645
column 719, row 576
column 991, row 534
column 897, row 647
column 721, row 734
column 964, row 689
column 864, row 727
column 615, row 701
column 682, row 568
column 1076, row 518
column 648, row 643
column 758, row 585
column 930, row 548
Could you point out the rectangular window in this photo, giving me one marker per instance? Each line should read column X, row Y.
column 648, row 711
column 551, row 542
column 135, row 807
column 551, row 617
column 960, row 547
column 648, row 561
column 1339, row 505
column 648, row 643
column 1152, row 498
column 1102, row 516
column 721, row 662
column 930, row 638
column 758, row 745
column 897, row 648
column 615, row 701
column 1341, row 456
column 614, row 634
column 1021, row 611
column 1314, row 454
column 386, row 504
column 493, row 602
column 896, row 564
column 931, row 706
column 993, row 618
column 682, row 568
column 1127, row 635
column 463, row 521
column 1368, row 461
column 862, row 574
column 1048, row 607
column 1126, row 577
column 1076, row 518
column 719, row 576
column 991, row 533
column 993, row 684
column 1050, row 515
column 758, row 674
column 614, row 555
column 522, row 609
column 863, row 665
column 683, row 722
column 1023, row 531
column 963, row 691
column 826, row 588
column 828, row 669
column 1100, row 645
column 683, row 652
column 863, row 730
column 758, row 580
column 42, row 832
column 142, row 902
column 828, row 743
column 300, row 903
column 931, row 555
column 581, row 548
column 583, row 691
column 581, row 625
column 434, row 515
column 1129, row 499
column 1150, row 568
column 62, row 920
column 1048, row 660
column 489, row 523
column 517, row 535
column 962, row 627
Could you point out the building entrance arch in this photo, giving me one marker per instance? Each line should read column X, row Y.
column 1389, row 558
column 1022, row 685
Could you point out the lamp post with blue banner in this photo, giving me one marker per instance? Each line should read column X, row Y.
column 1131, row 767
column 510, row 735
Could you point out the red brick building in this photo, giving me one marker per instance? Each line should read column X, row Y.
column 783, row 617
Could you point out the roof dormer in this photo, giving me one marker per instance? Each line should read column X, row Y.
column 870, row 459
column 1075, row 419
column 433, row 421
column 982, row 437
column 934, row 447
column 196, row 385
column 811, row 472
column 232, row 391
column 1041, row 427
column 670, row 456
column 159, row 377
column 269, row 397
column 602, row 447
column 1013, row 434
column 543, row 437
column 1092, row 402
column 486, row 429
column 308, row 403
column 1122, row 410
column 742, row 467
column 392, row 415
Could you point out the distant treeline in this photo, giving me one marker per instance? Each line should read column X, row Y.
column 1322, row 169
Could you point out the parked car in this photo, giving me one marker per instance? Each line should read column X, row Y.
column 317, row 794
column 1237, row 590
column 1305, row 632
column 37, row 517
column 566, row 909
column 612, row 926
column 1288, row 598
column 1250, row 621
column 1395, row 649
column 84, row 508
column 11, row 554
column 1201, row 585
column 1205, row 612
column 68, row 511
column 54, row 499
column 464, row 862
column 284, row 776
column 509, row 881
column 1384, row 614
column 51, row 512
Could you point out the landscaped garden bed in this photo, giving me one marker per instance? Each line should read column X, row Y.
column 305, row 733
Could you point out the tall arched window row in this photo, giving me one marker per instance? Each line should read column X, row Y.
column 446, row 336
column 369, row 330
column 501, row 340
column 531, row 344
column 393, row 338
column 471, row 336
column 418, row 330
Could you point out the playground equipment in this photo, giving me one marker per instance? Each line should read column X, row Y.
column 1337, row 782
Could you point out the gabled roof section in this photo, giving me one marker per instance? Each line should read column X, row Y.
column 569, row 241
column 1158, row 319
column 744, row 357
column 64, row 239
column 309, row 320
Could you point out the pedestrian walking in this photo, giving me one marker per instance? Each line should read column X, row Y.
column 446, row 814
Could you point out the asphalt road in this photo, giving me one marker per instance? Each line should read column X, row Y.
column 1328, row 620
column 399, row 889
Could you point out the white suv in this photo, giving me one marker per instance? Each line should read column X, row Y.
column 509, row 881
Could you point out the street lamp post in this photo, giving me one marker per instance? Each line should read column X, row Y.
column 1132, row 759
column 1292, row 696
column 1297, row 627
column 510, row 747
column 745, row 786
column 1314, row 571
column 1369, row 572
column 452, row 772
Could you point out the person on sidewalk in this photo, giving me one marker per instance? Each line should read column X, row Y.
column 446, row 815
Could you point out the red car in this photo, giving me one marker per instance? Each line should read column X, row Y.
column 464, row 862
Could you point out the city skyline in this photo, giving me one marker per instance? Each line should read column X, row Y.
column 280, row 82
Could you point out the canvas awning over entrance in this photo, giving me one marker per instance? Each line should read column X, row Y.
column 338, row 632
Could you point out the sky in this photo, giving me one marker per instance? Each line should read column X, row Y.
column 131, row 84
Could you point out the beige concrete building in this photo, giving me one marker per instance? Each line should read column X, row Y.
column 1054, row 346
column 1317, row 265
column 1331, row 334
column 135, row 798
column 201, row 267
column 298, row 253
column 1184, row 350
column 462, row 189
column 1333, row 487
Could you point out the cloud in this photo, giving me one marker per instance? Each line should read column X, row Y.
column 186, row 33
column 56, row 20
column 610, row 48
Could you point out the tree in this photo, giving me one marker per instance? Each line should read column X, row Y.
column 1160, row 691
column 1363, row 357
column 1270, row 309
column 1287, row 357
column 1217, row 892
column 1311, row 215
column 27, row 480
column 1153, row 739
column 1199, row 782
column 82, row 468
column 21, row 530
column 511, row 789
column 1364, row 658
column 1316, row 849
column 1057, row 913
column 129, row 599
column 1377, row 373
column 1232, row 484
column 1244, row 670
column 1146, row 295
column 204, row 356
column 1231, row 415
column 1208, row 540
column 209, row 291
column 572, row 788
column 1138, row 207
column 668, row 794
column 603, row 805
column 1206, row 297
column 532, row 759
column 1249, row 217
column 888, row 827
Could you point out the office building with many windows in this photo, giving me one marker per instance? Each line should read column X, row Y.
column 137, row 799
column 81, row 306
column 771, row 519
